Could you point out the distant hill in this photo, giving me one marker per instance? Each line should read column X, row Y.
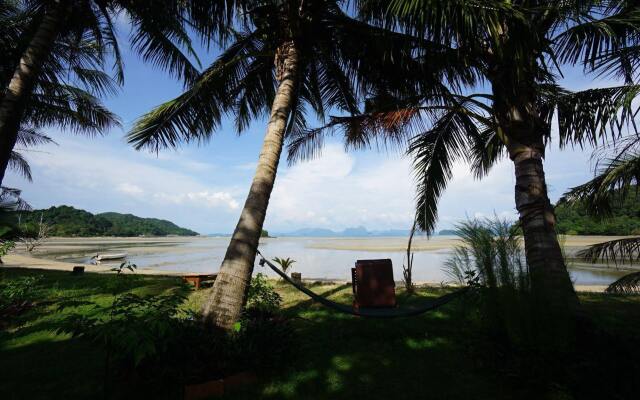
column 448, row 232
column 359, row 231
column 625, row 219
column 70, row 221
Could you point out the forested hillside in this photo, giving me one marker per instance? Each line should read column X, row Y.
column 69, row 221
column 625, row 219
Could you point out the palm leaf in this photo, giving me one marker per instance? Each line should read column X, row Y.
column 434, row 153
column 618, row 251
column 619, row 176
column 193, row 115
column 595, row 115
column 19, row 164
column 628, row 284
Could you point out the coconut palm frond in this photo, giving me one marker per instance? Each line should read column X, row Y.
column 444, row 21
column 618, row 251
column 486, row 150
column 589, row 37
column 71, row 108
column 434, row 153
column 97, row 82
column 623, row 63
column 595, row 115
column 192, row 116
column 618, row 177
column 160, row 37
column 29, row 137
column 19, row 164
column 10, row 200
column 628, row 284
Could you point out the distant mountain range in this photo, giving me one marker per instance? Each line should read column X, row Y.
column 359, row 231
column 70, row 221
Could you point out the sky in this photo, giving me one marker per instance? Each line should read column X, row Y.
column 204, row 187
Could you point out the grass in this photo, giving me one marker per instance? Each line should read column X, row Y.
column 436, row 356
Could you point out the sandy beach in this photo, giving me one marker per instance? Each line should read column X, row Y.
column 55, row 252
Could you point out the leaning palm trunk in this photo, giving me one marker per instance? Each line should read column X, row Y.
column 224, row 306
column 23, row 81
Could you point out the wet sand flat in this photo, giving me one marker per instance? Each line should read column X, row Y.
column 181, row 255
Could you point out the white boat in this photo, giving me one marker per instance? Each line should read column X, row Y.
column 114, row 256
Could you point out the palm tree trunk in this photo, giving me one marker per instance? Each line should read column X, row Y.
column 548, row 271
column 523, row 131
column 224, row 306
column 23, row 81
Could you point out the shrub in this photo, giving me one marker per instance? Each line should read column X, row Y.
column 491, row 253
column 261, row 295
column 155, row 340
column 20, row 290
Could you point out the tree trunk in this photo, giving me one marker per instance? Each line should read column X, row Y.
column 523, row 131
column 224, row 306
column 546, row 264
column 23, row 81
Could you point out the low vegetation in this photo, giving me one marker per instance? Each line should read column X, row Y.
column 575, row 218
column 297, row 348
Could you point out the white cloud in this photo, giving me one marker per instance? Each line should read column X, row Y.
column 127, row 181
column 340, row 190
column 130, row 189
column 337, row 191
column 209, row 199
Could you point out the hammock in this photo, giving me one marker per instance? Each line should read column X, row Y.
column 409, row 311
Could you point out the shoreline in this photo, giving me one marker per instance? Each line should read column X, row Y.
column 46, row 256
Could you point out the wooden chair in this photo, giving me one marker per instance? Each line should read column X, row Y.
column 373, row 285
column 198, row 279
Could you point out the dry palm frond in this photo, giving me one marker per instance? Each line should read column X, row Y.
column 628, row 284
column 616, row 251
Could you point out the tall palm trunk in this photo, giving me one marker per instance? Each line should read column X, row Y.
column 523, row 132
column 548, row 271
column 23, row 81
column 224, row 306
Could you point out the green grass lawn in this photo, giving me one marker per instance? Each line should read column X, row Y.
column 433, row 356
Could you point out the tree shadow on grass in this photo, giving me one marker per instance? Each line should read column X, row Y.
column 38, row 363
column 344, row 357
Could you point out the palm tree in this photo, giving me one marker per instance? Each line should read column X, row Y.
column 49, row 36
column 282, row 59
column 53, row 101
column 616, row 180
column 518, row 48
column 284, row 263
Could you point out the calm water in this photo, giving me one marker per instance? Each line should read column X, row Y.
column 205, row 255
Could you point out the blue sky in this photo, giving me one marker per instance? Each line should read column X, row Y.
column 203, row 188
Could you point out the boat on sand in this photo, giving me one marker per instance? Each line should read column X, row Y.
column 112, row 256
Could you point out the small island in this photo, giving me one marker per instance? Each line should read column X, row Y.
column 72, row 222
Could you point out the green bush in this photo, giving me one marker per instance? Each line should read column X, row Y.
column 491, row 256
column 153, row 338
column 261, row 295
column 13, row 291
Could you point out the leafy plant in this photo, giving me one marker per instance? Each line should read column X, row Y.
column 261, row 295
column 135, row 332
column 284, row 263
column 491, row 254
column 5, row 247
column 16, row 296
column 17, row 290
